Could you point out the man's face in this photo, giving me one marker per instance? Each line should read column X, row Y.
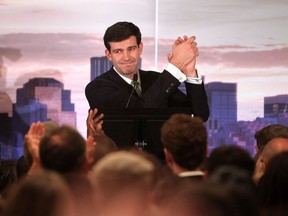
column 125, row 56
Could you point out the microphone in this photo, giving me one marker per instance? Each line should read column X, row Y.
column 135, row 77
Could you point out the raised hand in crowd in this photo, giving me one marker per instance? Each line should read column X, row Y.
column 33, row 137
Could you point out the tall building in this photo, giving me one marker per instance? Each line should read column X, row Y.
column 276, row 106
column 6, row 137
column 222, row 100
column 46, row 93
column 99, row 65
column 41, row 99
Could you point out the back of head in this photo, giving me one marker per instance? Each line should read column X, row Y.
column 44, row 193
column 232, row 156
column 104, row 145
column 186, row 139
column 273, row 190
column 270, row 132
column 49, row 126
column 121, row 31
column 272, row 148
column 123, row 170
column 63, row 150
column 193, row 199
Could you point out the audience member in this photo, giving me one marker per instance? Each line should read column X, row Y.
column 48, row 127
column 239, row 186
column 22, row 167
column 184, row 141
column 193, row 199
column 45, row 193
column 273, row 147
column 264, row 135
column 8, row 175
column 273, row 187
column 123, row 183
column 63, row 151
column 231, row 168
column 229, row 155
column 103, row 145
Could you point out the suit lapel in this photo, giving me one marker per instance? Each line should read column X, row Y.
column 118, row 81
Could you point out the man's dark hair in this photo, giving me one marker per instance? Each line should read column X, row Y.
column 264, row 135
column 63, row 150
column 121, row 31
column 230, row 155
column 104, row 144
column 185, row 137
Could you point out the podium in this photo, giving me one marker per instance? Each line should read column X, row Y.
column 138, row 128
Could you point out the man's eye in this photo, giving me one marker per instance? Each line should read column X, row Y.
column 132, row 48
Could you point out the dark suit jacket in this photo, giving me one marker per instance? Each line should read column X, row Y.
column 159, row 90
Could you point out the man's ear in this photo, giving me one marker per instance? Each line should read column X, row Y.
column 141, row 47
column 108, row 54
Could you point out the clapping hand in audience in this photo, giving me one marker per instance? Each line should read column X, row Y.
column 33, row 137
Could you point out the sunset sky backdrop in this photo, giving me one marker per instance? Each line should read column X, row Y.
column 239, row 41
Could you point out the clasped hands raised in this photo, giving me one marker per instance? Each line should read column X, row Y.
column 184, row 53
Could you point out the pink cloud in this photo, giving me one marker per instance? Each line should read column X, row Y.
column 74, row 48
column 245, row 58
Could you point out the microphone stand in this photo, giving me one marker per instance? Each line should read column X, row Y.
column 135, row 77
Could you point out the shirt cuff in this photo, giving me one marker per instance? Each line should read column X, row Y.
column 195, row 80
column 174, row 71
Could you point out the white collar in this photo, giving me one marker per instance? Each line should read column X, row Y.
column 125, row 78
column 191, row 173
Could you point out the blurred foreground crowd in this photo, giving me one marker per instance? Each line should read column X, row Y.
column 64, row 174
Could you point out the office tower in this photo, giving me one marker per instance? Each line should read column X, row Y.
column 43, row 99
column 99, row 65
column 276, row 106
column 222, row 100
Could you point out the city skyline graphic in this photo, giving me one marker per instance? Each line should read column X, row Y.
column 45, row 99
column 239, row 42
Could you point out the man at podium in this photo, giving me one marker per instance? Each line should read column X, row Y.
column 127, row 86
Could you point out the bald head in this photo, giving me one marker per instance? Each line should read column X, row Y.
column 273, row 147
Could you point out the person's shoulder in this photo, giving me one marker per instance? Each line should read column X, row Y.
column 99, row 79
column 150, row 73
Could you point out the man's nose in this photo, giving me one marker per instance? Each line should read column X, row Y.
column 126, row 54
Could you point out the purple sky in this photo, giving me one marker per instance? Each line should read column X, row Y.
column 243, row 42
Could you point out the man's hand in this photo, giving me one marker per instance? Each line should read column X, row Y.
column 94, row 122
column 184, row 53
column 33, row 138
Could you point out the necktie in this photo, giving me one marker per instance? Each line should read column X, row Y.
column 137, row 87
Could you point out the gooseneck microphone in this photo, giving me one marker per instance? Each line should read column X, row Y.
column 135, row 77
